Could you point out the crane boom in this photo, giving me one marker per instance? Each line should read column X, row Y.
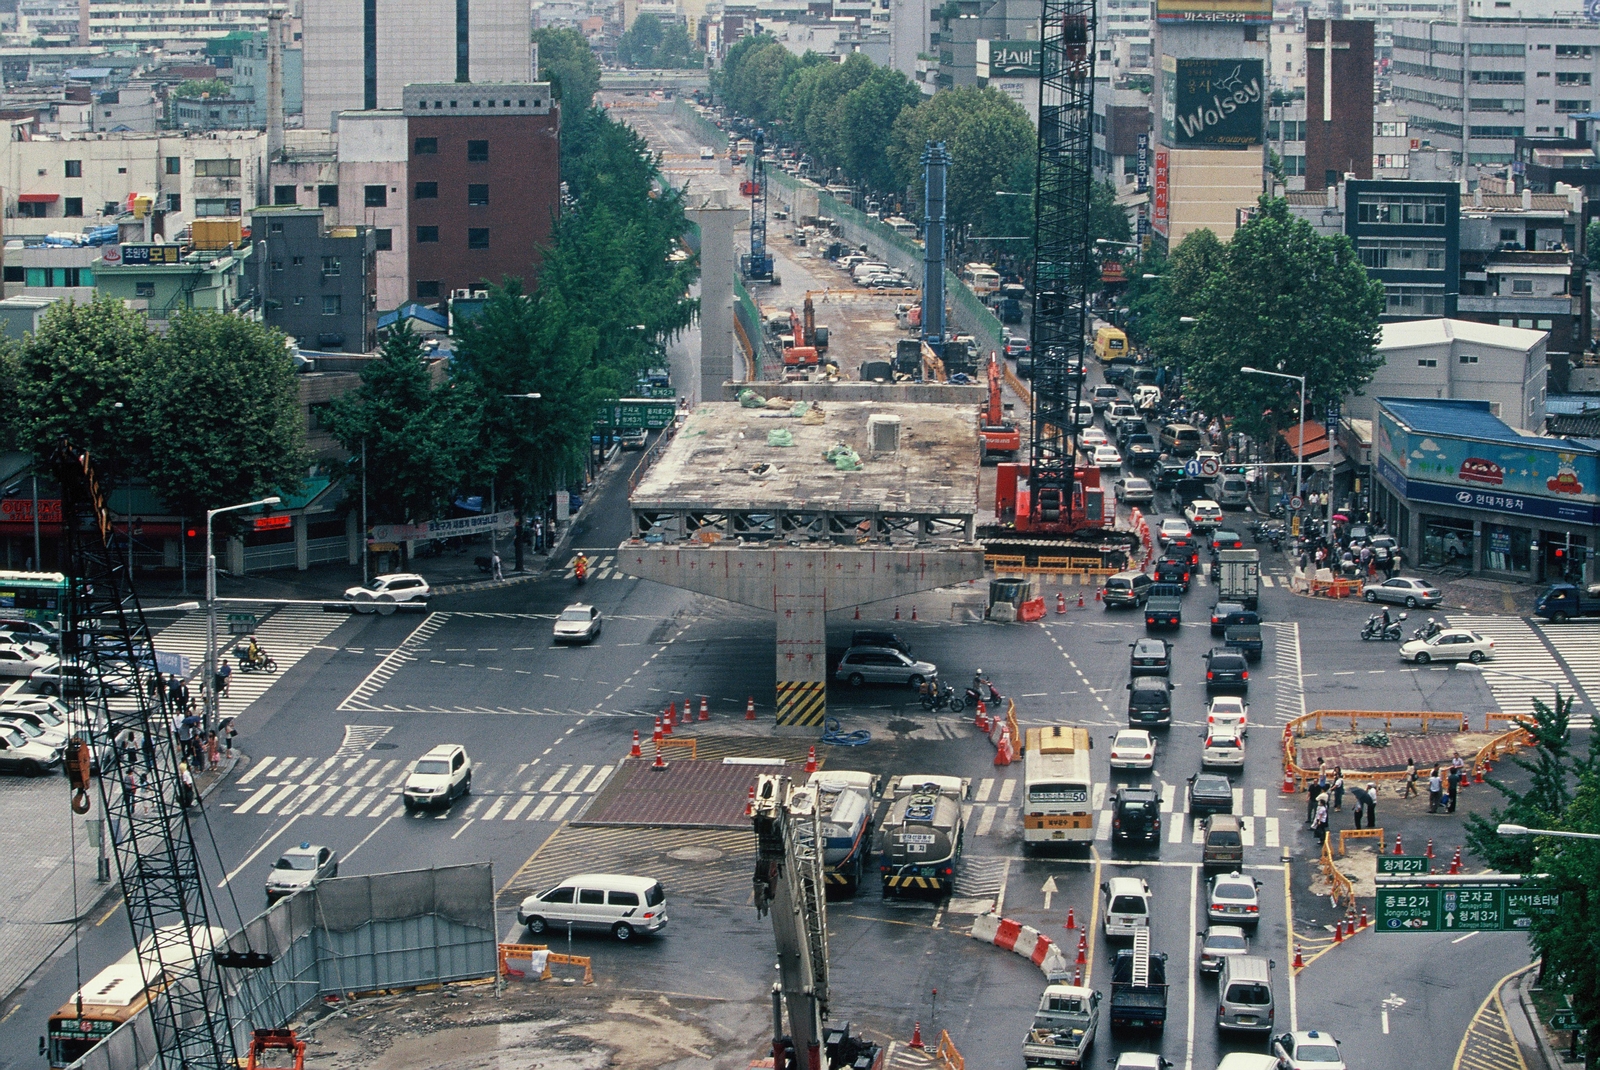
column 789, row 884
column 104, row 630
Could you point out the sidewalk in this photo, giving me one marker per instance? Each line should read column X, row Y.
column 42, row 893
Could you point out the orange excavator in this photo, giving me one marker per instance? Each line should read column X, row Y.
column 798, row 352
column 998, row 436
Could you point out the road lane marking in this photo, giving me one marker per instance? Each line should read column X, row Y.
column 495, row 808
column 565, row 808
column 1259, row 802
column 1176, row 833
column 1168, row 792
column 342, row 801
column 367, row 837
column 986, row 822
column 1272, row 831
column 544, row 805
column 1288, row 913
column 256, row 798
column 253, row 855
column 1008, row 788
column 516, row 811
column 985, row 789
column 260, row 767
column 550, row 785
column 463, row 827
column 1103, row 829
column 1238, row 801
column 1469, row 936
column 1194, row 958
column 578, row 780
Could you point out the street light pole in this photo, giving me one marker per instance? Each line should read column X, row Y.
column 1300, row 436
column 1508, row 829
column 209, row 687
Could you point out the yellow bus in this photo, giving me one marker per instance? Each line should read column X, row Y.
column 1057, row 787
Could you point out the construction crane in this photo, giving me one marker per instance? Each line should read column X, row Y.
column 758, row 264
column 1051, row 502
column 104, row 631
column 790, row 885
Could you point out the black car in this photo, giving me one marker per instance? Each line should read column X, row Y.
column 1225, row 615
column 864, row 637
column 1210, row 793
column 1136, row 815
column 1187, row 545
column 1226, row 671
column 1149, row 702
column 1150, row 657
column 1223, row 539
column 1170, row 570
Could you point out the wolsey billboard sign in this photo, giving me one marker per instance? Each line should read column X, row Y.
column 1211, row 103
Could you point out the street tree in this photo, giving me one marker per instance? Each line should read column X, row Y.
column 76, row 379
column 566, row 59
column 637, row 47
column 1549, row 766
column 1287, row 299
column 1158, row 307
column 986, row 133
column 754, row 75
column 221, row 407
column 409, row 437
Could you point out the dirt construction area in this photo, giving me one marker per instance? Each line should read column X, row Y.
column 537, row 1026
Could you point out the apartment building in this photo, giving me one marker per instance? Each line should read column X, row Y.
column 160, row 22
column 318, row 283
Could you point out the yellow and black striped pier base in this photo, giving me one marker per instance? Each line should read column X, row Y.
column 802, row 703
column 912, row 883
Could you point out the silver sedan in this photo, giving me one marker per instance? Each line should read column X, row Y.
column 1405, row 591
column 1134, row 491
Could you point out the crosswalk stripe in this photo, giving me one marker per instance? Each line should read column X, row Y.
column 516, row 811
column 985, row 789
column 1271, row 824
column 1266, row 581
column 258, row 769
column 1238, row 801
column 1247, row 832
column 544, row 805
column 1198, row 835
column 986, row 822
column 565, row 808
column 550, row 785
column 349, row 793
column 576, row 781
column 285, row 790
column 288, row 633
column 1103, row 829
column 257, row 797
column 1258, row 804
column 360, row 807
column 1167, row 794
column 495, row 808
column 1008, row 789
column 1175, row 834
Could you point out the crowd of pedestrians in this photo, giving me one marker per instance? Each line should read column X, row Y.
column 198, row 748
column 1325, row 794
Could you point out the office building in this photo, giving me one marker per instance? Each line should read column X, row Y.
column 361, row 54
column 164, row 22
column 317, row 284
column 485, row 183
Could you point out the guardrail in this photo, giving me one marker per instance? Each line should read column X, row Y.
column 1342, row 891
column 1053, row 566
column 946, row 1055
column 1360, row 834
column 539, row 958
column 1498, row 747
column 1297, row 775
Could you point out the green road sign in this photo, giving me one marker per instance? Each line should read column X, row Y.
column 1564, row 1020
column 1403, row 865
column 1461, row 907
column 242, row 623
column 635, row 413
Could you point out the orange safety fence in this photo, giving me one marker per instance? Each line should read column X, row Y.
column 680, row 741
column 1498, row 747
column 1016, row 385
column 1360, row 834
column 1011, row 723
column 1342, row 890
column 1293, row 771
column 946, row 1056
column 517, row 961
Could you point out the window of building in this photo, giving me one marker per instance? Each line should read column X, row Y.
column 283, row 195
column 425, row 146
column 332, row 304
column 72, row 206
column 277, row 265
column 15, row 273
column 1469, row 358
column 478, row 195
column 274, row 228
column 477, row 152
column 298, row 261
column 385, row 239
column 1427, row 362
column 146, row 290
column 55, row 278
column 328, row 196
column 174, row 165
column 1582, row 51
column 228, row 168
column 427, row 191
column 1567, row 107
column 31, row 210
column 74, row 168
column 216, row 206
column 477, row 237
column 174, row 202
column 330, row 265
column 1518, row 286
column 1388, row 208
column 298, row 301
column 377, row 196
column 427, row 235
column 427, row 289
column 1413, row 300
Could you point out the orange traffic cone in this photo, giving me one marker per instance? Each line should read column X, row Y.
column 1003, row 755
column 634, row 752
column 916, row 1037
column 659, row 763
column 913, row 612
column 1288, row 784
column 811, row 759
column 896, row 612
column 750, row 708
column 1083, row 948
column 1429, row 852
column 1061, row 601
column 1455, row 863
column 750, row 803
column 670, row 716
column 1363, row 917
column 1299, row 958
column 1072, row 919
column 1397, row 849
column 705, row 715
column 658, row 733
column 1338, row 931
column 1080, row 599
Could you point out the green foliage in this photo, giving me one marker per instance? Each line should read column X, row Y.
column 416, row 438
column 196, row 90
column 1591, row 242
column 1159, row 306
column 753, row 76
column 1287, row 299
column 989, row 138
column 566, row 59
column 1107, row 218
column 76, row 380
column 221, row 407
column 652, row 43
column 1548, row 765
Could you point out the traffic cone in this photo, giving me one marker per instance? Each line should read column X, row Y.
column 1338, row 931
column 1477, row 773
column 1077, row 975
column 750, row 708
column 658, row 733
column 1429, row 852
column 1099, row 595
column 659, row 763
column 1299, row 958
column 916, row 1037
column 1072, row 919
column 1455, row 863
column 1397, row 849
column 1463, row 722
column 913, row 612
column 896, row 612
column 705, row 715
column 1004, row 754
column 981, row 721
column 634, row 753
column 811, row 759
column 1083, row 949
column 1080, row 599
column 1289, row 787
column 1061, row 601
column 750, row 803
column 670, row 716
column 858, row 613
column 1363, row 917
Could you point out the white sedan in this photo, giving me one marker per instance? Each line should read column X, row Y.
column 1452, row 644
column 19, row 660
column 1090, row 437
column 1107, row 457
column 1224, row 749
column 578, row 623
column 1229, row 711
column 1310, row 1050
column 1133, row 748
column 1174, row 528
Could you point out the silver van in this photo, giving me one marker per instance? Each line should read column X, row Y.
column 1244, row 994
column 627, row 906
column 1230, row 491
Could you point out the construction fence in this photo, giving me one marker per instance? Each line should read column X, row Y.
column 748, row 326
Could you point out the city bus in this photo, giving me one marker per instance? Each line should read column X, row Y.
column 36, row 596
column 981, row 279
column 1057, row 787
column 118, row 994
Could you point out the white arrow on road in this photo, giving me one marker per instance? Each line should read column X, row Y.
column 1049, row 889
column 1394, row 1002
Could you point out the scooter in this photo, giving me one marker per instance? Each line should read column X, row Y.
column 581, row 569
column 981, row 690
column 936, row 697
column 1427, row 631
column 1375, row 629
column 263, row 661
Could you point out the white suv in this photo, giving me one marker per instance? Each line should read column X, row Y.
column 439, row 777
column 388, row 591
column 1127, row 906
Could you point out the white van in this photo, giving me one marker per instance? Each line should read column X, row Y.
column 1127, row 906
column 625, row 905
column 870, row 267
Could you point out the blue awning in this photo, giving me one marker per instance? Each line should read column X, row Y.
column 414, row 311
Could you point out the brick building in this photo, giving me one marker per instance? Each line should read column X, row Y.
column 485, row 183
column 1338, row 109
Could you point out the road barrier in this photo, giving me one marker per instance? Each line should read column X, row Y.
column 1023, row 940
column 1049, row 566
column 1342, row 890
column 1498, row 747
column 519, row 961
column 1295, row 775
column 1360, row 834
column 946, row 1056
column 681, row 741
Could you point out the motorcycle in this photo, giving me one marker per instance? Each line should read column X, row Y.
column 982, row 690
column 581, row 569
column 1376, row 629
column 262, row 662
column 936, row 697
column 1427, row 631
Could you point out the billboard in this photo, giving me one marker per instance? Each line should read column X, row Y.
column 1000, row 59
column 1211, row 103
column 1159, row 194
column 1255, row 11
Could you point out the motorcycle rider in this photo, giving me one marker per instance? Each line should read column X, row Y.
column 253, row 654
column 581, row 567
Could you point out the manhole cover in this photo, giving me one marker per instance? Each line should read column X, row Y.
column 695, row 854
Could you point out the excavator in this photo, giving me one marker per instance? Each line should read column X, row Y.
column 800, row 350
column 998, row 436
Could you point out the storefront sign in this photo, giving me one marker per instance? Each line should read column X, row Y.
column 1170, row 11
column 1499, row 541
column 20, row 510
column 1211, row 103
column 1158, row 199
column 1416, row 490
column 1142, row 162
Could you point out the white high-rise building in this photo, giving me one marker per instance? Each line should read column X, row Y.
column 361, row 54
column 157, row 21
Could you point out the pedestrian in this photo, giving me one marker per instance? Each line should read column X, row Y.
column 1338, row 789
column 1372, row 804
column 1453, row 784
column 213, row 750
column 185, row 734
column 1435, row 789
column 1319, row 825
column 224, row 674
column 1410, row 788
column 1460, row 771
column 232, row 734
column 185, row 786
column 1322, row 776
column 1311, row 802
column 494, row 561
column 1359, row 794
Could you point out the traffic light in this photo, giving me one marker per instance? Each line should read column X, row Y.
column 191, row 533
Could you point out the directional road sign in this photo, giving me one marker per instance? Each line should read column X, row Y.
column 1564, row 1020
column 1403, row 865
column 1210, row 466
column 1192, row 469
column 636, row 412
column 1460, row 907
column 241, row 623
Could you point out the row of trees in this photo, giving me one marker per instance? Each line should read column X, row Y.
column 1279, row 297
column 651, row 43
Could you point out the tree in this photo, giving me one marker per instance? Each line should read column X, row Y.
column 409, row 438
column 1286, row 299
column 221, row 402
column 199, row 89
column 1158, row 307
column 567, row 60
column 1107, row 218
column 987, row 135
column 77, row 380
column 637, row 47
column 676, row 50
column 1548, row 764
